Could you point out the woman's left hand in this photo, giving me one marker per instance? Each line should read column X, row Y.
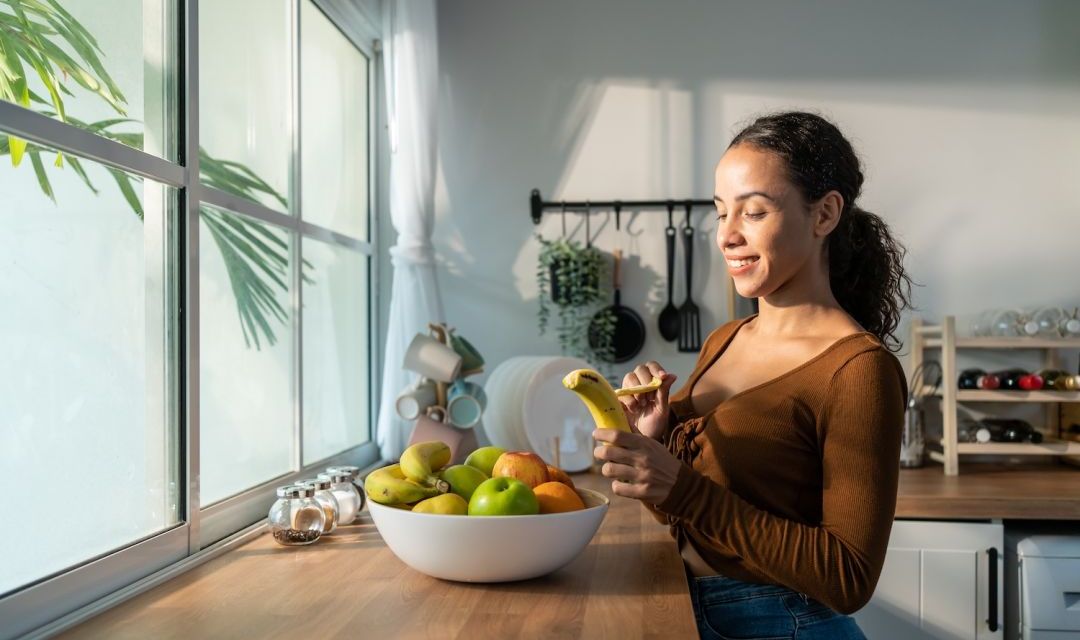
column 639, row 460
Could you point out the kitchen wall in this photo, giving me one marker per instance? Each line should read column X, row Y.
column 966, row 115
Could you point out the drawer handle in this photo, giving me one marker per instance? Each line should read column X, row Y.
column 992, row 558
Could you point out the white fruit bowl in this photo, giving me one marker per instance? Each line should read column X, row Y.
column 489, row 548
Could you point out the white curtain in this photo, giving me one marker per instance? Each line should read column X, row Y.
column 411, row 69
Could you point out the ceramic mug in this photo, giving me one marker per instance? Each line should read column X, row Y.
column 415, row 399
column 465, row 404
column 432, row 359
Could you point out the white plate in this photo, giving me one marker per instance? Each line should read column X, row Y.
column 504, row 388
column 550, row 410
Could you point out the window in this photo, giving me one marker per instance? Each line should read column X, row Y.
column 87, row 431
column 175, row 343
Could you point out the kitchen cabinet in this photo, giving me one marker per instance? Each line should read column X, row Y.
column 940, row 580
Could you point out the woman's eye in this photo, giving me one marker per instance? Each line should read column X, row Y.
column 756, row 216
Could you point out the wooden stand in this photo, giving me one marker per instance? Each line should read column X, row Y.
column 944, row 337
column 434, row 425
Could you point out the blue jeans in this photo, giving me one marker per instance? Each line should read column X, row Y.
column 727, row 609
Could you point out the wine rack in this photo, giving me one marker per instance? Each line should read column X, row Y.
column 943, row 337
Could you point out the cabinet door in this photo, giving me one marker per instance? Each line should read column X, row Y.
column 936, row 583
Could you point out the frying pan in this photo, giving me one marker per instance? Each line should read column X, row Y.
column 629, row 334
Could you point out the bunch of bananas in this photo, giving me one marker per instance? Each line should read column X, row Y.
column 603, row 401
column 411, row 479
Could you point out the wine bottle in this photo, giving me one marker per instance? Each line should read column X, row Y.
column 1050, row 378
column 1010, row 378
column 969, row 378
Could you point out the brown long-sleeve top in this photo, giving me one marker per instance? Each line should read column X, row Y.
column 792, row 481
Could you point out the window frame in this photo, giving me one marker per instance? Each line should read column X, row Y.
column 60, row 601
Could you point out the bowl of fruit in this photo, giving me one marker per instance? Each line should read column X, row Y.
column 500, row 516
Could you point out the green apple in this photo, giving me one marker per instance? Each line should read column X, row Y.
column 484, row 459
column 503, row 497
column 463, row 479
column 447, row 504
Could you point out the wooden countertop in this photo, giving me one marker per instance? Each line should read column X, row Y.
column 628, row 583
column 991, row 491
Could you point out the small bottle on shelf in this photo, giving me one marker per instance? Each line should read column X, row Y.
column 1030, row 382
column 1051, row 378
column 969, row 378
column 1010, row 378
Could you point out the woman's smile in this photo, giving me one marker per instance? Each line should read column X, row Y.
column 740, row 266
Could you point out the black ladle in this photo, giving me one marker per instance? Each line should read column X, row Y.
column 668, row 322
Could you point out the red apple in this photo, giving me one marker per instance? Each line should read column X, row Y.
column 522, row 465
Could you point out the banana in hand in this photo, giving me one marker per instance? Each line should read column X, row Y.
column 420, row 462
column 599, row 397
column 389, row 486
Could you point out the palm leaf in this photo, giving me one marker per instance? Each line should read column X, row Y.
column 256, row 258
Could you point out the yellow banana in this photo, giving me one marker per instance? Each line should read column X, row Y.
column 652, row 385
column 389, row 486
column 599, row 397
column 420, row 461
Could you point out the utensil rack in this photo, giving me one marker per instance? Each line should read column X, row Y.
column 537, row 205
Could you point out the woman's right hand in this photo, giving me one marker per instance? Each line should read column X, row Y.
column 647, row 413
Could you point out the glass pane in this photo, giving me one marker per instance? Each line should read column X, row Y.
column 124, row 86
column 88, row 444
column 246, row 407
column 334, row 125
column 336, row 393
column 244, row 98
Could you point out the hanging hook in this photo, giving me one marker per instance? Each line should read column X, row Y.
column 689, row 205
column 588, row 214
column 618, row 210
column 670, row 213
column 563, row 214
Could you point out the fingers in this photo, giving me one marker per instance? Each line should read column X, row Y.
column 628, row 490
column 620, row 438
column 616, row 454
column 622, row 472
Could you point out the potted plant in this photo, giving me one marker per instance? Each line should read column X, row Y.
column 569, row 275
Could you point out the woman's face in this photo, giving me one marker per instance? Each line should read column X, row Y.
column 761, row 216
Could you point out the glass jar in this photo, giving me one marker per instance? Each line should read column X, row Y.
column 1046, row 322
column 327, row 501
column 355, row 473
column 296, row 518
column 1008, row 323
column 1070, row 325
column 348, row 498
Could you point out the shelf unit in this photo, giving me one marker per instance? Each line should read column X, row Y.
column 943, row 337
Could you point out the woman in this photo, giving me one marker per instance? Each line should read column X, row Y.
column 776, row 463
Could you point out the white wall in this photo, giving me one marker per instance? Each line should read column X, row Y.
column 966, row 114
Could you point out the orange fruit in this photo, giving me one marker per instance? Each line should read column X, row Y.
column 556, row 497
column 558, row 475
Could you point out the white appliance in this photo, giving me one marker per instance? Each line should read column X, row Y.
column 1049, row 587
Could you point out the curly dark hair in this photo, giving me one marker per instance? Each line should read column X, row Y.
column 866, row 264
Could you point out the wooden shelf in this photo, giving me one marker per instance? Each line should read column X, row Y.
column 1048, row 447
column 990, row 342
column 943, row 336
column 981, row 395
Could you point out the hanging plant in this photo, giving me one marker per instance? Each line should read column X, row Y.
column 568, row 275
